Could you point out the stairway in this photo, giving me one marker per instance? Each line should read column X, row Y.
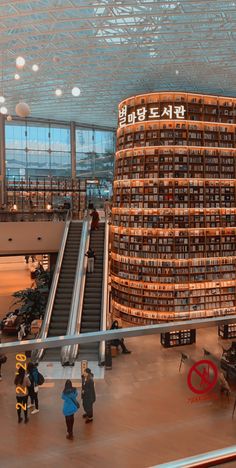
column 91, row 314
column 64, row 292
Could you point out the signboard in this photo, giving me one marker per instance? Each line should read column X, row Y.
column 141, row 114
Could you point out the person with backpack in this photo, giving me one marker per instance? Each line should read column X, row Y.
column 91, row 259
column 22, row 383
column 3, row 357
column 36, row 379
column 70, row 407
column 88, row 395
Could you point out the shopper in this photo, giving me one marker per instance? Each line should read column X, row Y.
column 91, row 259
column 22, row 383
column 33, row 375
column 88, row 395
column 95, row 220
column 107, row 208
column 70, row 407
column 119, row 342
column 3, row 357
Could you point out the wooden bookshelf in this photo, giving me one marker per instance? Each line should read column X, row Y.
column 178, row 338
column 173, row 229
column 227, row 332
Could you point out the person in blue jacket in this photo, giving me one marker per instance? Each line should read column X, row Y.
column 70, row 406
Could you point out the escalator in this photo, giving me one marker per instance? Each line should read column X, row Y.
column 92, row 303
column 64, row 292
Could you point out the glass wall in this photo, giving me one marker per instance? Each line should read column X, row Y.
column 36, row 149
column 44, row 149
column 95, row 153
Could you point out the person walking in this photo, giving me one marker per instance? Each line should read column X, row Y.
column 88, row 395
column 33, row 375
column 95, row 220
column 91, row 259
column 70, row 407
column 22, row 383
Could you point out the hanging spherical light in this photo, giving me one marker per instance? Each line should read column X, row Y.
column 35, row 67
column 58, row 92
column 22, row 109
column 3, row 110
column 2, row 99
column 9, row 118
column 17, row 77
column 55, row 59
column 20, row 62
column 75, row 91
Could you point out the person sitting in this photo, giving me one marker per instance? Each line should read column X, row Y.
column 119, row 342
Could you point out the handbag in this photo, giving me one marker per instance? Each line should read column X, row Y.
column 75, row 402
column 3, row 358
column 41, row 379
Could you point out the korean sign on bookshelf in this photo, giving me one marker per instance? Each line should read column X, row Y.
column 169, row 112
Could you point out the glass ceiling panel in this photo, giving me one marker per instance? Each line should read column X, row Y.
column 113, row 48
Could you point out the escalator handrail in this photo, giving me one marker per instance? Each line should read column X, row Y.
column 105, row 301
column 203, row 460
column 67, row 354
column 36, row 356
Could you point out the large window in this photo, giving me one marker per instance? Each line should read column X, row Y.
column 35, row 149
column 95, row 153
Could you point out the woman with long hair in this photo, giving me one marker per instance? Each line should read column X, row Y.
column 88, row 395
column 22, row 384
column 70, row 406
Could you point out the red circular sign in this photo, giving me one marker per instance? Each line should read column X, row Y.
column 207, row 381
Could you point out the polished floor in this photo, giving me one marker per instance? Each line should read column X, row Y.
column 144, row 414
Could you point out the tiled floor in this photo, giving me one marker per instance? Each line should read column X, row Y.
column 142, row 414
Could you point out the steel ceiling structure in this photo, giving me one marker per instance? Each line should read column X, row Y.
column 112, row 49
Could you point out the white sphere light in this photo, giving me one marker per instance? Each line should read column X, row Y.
column 9, row 118
column 3, row 110
column 20, row 62
column 2, row 99
column 17, row 77
column 35, row 67
column 58, row 92
column 75, row 91
column 22, row 109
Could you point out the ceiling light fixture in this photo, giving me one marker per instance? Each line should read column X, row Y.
column 17, row 77
column 3, row 110
column 176, row 72
column 58, row 92
column 20, row 62
column 35, row 67
column 75, row 91
column 9, row 118
column 2, row 99
column 22, row 109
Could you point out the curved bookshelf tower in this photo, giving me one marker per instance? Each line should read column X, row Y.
column 174, row 218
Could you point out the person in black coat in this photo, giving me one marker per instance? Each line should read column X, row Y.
column 88, row 395
column 119, row 342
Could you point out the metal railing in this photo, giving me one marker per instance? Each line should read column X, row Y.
column 69, row 353
column 29, row 216
column 203, row 460
column 107, row 335
column 74, row 348
column 48, row 314
column 105, row 299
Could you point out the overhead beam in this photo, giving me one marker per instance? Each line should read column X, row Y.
column 59, row 341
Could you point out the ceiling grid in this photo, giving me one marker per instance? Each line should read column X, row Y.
column 111, row 49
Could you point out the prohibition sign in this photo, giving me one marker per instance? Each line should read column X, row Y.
column 202, row 369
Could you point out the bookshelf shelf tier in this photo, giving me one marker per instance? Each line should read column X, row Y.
column 173, row 229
